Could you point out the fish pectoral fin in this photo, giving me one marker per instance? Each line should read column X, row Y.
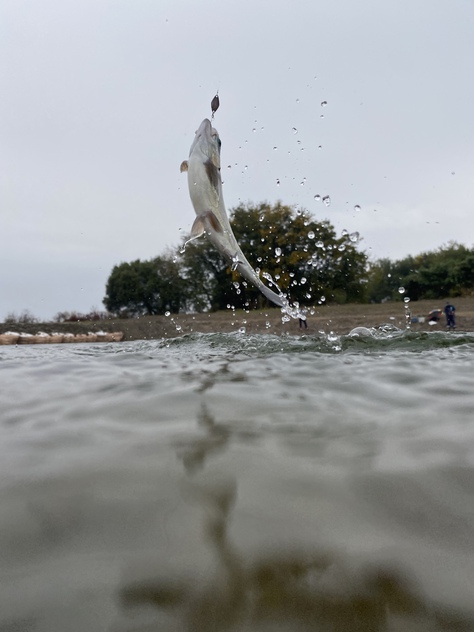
column 184, row 166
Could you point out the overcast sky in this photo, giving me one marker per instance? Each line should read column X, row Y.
column 101, row 99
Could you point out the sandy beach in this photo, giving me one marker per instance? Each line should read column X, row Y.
column 340, row 319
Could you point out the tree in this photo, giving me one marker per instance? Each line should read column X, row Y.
column 206, row 276
column 304, row 257
column 145, row 287
column 447, row 271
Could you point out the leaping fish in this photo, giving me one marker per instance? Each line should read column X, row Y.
column 205, row 190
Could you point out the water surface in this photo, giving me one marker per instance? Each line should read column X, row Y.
column 235, row 482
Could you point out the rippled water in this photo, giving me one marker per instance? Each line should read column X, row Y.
column 233, row 482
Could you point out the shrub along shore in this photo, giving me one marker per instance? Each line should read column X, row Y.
column 340, row 319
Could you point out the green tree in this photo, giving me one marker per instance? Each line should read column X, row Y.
column 145, row 287
column 305, row 258
column 206, row 276
column 447, row 271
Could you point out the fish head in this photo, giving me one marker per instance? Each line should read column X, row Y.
column 207, row 144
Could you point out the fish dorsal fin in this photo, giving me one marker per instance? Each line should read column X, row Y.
column 184, row 166
column 213, row 221
column 199, row 226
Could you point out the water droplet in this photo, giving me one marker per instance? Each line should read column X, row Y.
column 295, row 131
column 261, row 218
column 311, row 234
column 253, row 129
column 356, row 208
column 406, row 299
column 275, row 148
column 319, row 244
column 242, row 330
column 278, row 252
column 401, row 289
column 327, row 200
column 317, row 197
column 354, row 237
column 267, row 325
column 323, row 104
column 302, row 183
column 322, row 299
column 308, row 295
column 278, row 182
column 167, row 313
column 341, row 248
column 303, row 280
column 236, row 285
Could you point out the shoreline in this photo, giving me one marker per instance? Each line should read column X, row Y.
column 339, row 319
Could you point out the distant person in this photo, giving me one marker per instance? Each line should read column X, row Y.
column 303, row 322
column 434, row 316
column 449, row 311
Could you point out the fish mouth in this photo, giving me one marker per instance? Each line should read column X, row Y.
column 204, row 128
column 204, row 132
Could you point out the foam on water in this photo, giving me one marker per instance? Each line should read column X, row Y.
column 239, row 482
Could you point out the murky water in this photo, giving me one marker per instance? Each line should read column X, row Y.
column 241, row 483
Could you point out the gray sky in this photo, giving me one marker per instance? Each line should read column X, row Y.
column 101, row 99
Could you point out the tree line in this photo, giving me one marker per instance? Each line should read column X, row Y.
column 445, row 272
column 304, row 257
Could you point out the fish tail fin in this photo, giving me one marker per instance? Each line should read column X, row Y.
column 247, row 271
column 271, row 295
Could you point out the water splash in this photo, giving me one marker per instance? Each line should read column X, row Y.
column 293, row 311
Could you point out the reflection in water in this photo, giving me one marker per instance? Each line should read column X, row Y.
column 214, row 440
column 296, row 591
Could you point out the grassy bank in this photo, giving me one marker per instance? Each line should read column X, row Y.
column 340, row 319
